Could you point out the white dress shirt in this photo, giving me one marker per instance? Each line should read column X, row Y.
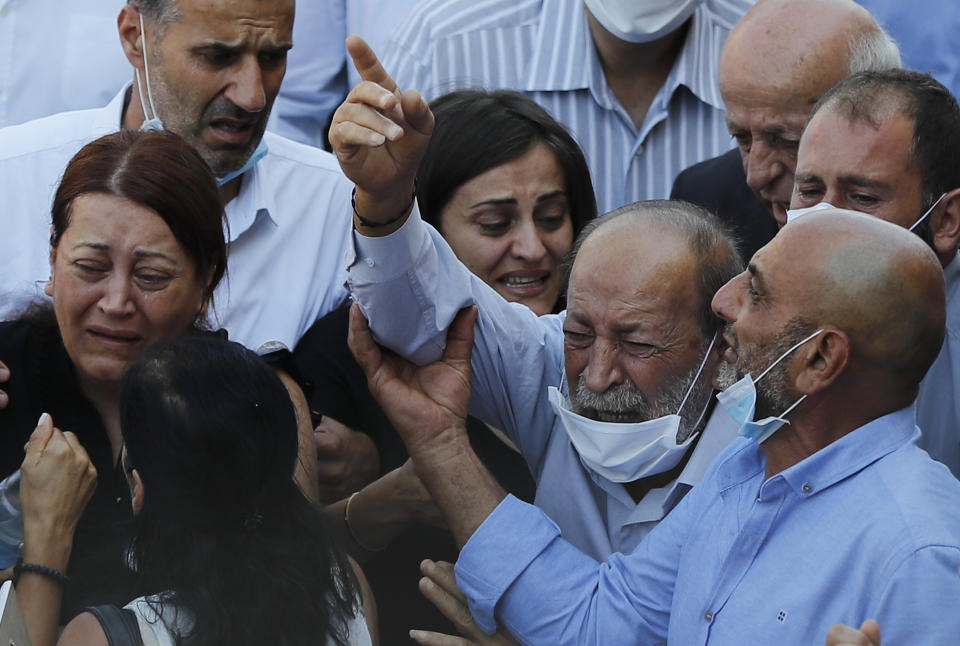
column 57, row 56
column 544, row 49
column 410, row 285
column 289, row 226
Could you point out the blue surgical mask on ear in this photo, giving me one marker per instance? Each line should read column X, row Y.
column 740, row 401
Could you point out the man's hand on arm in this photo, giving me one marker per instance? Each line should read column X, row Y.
column 428, row 407
column 379, row 135
column 439, row 586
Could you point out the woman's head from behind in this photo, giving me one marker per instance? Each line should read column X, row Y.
column 136, row 248
column 508, row 188
column 210, row 436
column 209, row 426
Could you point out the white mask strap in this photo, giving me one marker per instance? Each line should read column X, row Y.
column 782, row 356
column 927, row 212
column 697, row 376
column 146, row 70
column 794, row 405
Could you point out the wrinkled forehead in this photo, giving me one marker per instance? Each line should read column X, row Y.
column 233, row 21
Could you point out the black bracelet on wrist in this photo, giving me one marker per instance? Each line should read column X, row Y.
column 21, row 567
column 370, row 224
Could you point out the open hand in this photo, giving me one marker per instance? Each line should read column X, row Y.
column 425, row 404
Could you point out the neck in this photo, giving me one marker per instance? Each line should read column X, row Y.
column 103, row 396
column 635, row 72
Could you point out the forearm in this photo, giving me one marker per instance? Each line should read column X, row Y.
column 459, row 482
column 40, row 595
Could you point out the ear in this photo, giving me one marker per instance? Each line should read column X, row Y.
column 136, row 491
column 823, row 361
column 946, row 227
column 48, row 288
column 128, row 26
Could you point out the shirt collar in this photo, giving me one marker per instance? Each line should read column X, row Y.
column 835, row 462
column 559, row 64
column 255, row 201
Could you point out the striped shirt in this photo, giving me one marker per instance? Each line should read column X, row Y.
column 544, row 49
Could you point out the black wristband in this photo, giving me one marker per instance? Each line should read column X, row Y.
column 370, row 224
column 42, row 570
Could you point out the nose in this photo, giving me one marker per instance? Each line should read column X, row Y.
column 727, row 299
column 246, row 89
column 761, row 165
column 527, row 243
column 116, row 299
column 603, row 369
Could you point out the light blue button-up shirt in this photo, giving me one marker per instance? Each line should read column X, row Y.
column 867, row 527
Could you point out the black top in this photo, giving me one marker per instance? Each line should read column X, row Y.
column 339, row 390
column 720, row 186
column 42, row 380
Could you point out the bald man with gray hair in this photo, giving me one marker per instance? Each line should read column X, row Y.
column 824, row 510
column 779, row 59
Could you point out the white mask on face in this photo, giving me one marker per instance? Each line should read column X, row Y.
column 793, row 214
column 641, row 21
column 740, row 401
column 624, row 452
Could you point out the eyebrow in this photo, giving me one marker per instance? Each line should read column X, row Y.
column 138, row 253
column 228, row 49
column 757, row 276
column 859, row 180
column 494, row 201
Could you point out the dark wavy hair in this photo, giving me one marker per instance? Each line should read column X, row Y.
column 158, row 170
column 224, row 532
column 477, row 130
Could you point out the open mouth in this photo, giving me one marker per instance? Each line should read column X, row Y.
column 232, row 130
column 525, row 283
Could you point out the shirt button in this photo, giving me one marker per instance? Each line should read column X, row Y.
column 708, row 616
column 639, row 150
column 806, row 487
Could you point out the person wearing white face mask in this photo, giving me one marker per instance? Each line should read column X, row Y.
column 836, row 516
column 633, row 80
column 884, row 143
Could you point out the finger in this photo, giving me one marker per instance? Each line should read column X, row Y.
column 460, row 336
column 388, row 124
column 360, row 339
column 367, row 63
column 331, row 425
column 329, row 444
column 871, row 629
column 416, row 112
column 441, row 573
column 449, row 606
column 843, row 635
column 429, row 638
column 75, row 445
column 4, row 371
column 41, row 434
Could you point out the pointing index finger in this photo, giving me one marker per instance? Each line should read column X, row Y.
column 367, row 63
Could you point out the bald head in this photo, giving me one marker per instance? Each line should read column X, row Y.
column 778, row 61
column 876, row 282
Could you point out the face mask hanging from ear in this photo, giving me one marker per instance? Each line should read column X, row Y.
column 740, row 401
column 625, row 452
column 154, row 122
column 926, row 213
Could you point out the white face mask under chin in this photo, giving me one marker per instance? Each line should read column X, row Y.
column 740, row 401
column 625, row 452
column 641, row 21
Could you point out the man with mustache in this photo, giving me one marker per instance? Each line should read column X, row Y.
column 209, row 71
column 824, row 510
column 610, row 402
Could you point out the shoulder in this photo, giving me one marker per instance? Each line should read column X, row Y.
column 63, row 133
column 83, row 630
column 719, row 171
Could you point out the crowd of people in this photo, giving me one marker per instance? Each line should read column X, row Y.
column 596, row 322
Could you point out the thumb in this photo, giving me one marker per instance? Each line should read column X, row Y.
column 871, row 629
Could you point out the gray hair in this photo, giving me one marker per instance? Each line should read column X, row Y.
column 874, row 50
column 159, row 12
column 709, row 240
